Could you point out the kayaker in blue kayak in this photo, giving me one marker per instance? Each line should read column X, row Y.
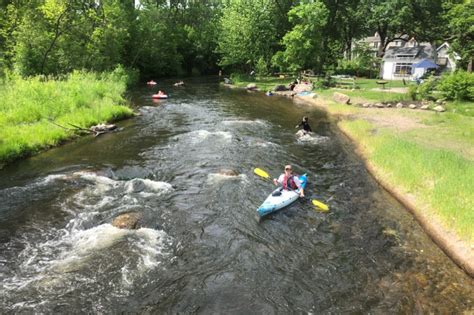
column 289, row 181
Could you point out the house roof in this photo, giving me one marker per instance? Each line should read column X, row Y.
column 425, row 63
column 423, row 51
column 447, row 46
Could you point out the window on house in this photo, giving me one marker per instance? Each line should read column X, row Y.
column 376, row 45
column 403, row 68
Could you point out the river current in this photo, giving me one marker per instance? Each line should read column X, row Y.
column 200, row 248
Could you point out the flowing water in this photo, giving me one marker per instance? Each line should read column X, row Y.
column 200, row 248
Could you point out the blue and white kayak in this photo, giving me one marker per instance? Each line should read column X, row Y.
column 280, row 198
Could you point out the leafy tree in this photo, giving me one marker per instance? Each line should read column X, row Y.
column 460, row 19
column 390, row 18
column 304, row 43
column 247, row 33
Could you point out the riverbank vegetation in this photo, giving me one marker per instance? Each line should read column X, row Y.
column 33, row 109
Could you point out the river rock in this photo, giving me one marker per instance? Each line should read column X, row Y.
column 412, row 106
column 228, row 172
column 251, row 86
column 379, row 105
column 399, row 105
column 341, row 98
column 439, row 109
column 366, row 105
column 389, row 105
column 127, row 221
column 303, row 88
column 425, row 107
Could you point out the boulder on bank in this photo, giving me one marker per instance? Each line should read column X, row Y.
column 341, row 98
column 127, row 221
column 251, row 86
column 439, row 109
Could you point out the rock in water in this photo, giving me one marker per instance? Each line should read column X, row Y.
column 228, row 172
column 127, row 221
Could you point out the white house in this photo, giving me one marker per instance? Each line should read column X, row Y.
column 397, row 63
column 446, row 59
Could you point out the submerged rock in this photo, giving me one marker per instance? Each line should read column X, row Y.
column 228, row 172
column 127, row 221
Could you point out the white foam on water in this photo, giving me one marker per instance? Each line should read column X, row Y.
column 201, row 135
column 138, row 185
column 215, row 178
column 244, row 122
column 312, row 138
column 51, row 264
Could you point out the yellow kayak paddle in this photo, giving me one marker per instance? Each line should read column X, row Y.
column 319, row 204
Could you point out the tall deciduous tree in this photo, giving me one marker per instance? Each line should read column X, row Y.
column 460, row 19
column 304, row 44
column 247, row 33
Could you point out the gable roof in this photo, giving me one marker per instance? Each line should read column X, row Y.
column 420, row 52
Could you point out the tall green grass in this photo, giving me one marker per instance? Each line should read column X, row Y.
column 28, row 105
column 439, row 179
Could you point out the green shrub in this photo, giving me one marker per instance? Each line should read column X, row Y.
column 413, row 92
column 240, row 77
column 425, row 90
column 261, row 68
column 325, row 83
column 458, row 85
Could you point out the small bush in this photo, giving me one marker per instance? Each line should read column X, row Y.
column 240, row 77
column 261, row 68
column 425, row 90
column 458, row 85
column 413, row 92
column 325, row 83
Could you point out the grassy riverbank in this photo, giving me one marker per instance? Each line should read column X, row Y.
column 29, row 107
column 427, row 156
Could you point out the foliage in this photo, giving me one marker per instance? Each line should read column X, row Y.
column 425, row 89
column 304, row 43
column 261, row 68
column 458, row 85
column 413, row 92
column 460, row 19
column 247, row 34
column 82, row 99
column 325, row 83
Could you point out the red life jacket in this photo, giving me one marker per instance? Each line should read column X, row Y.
column 289, row 182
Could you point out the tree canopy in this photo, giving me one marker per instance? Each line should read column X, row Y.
column 178, row 37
